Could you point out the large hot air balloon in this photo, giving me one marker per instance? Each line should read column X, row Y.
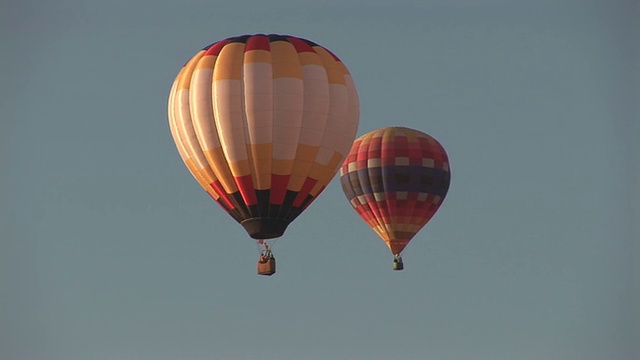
column 263, row 122
column 396, row 179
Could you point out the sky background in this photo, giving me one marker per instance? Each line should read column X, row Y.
column 109, row 250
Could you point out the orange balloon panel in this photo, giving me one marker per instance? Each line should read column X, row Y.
column 263, row 123
column 396, row 179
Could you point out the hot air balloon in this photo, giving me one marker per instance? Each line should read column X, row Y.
column 263, row 122
column 396, row 179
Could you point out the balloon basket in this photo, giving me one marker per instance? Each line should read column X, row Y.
column 397, row 265
column 266, row 266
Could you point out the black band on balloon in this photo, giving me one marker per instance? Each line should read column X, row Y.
column 265, row 228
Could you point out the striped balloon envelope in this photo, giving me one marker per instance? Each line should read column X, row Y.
column 396, row 178
column 263, row 123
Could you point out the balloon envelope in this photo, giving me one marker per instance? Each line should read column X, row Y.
column 263, row 123
column 396, row 179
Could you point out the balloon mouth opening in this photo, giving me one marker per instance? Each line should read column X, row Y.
column 265, row 228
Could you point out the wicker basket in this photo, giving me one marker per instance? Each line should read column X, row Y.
column 266, row 266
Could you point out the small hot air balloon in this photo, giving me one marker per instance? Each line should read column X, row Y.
column 396, row 179
column 263, row 123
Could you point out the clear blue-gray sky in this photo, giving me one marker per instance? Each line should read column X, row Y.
column 109, row 250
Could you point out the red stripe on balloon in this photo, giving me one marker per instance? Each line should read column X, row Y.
column 217, row 186
column 278, row 188
column 308, row 184
column 247, row 191
column 300, row 45
column 258, row 42
column 215, row 49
